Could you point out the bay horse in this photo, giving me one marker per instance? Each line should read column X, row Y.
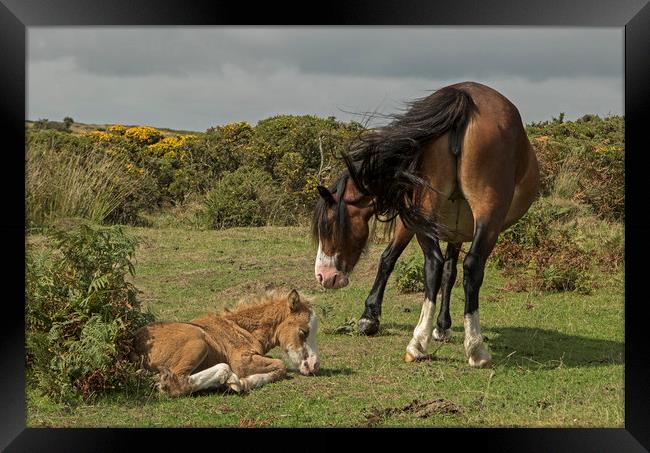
column 228, row 350
column 456, row 166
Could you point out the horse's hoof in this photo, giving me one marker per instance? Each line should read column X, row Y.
column 481, row 360
column 409, row 358
column 443, row 335
column 368, row 326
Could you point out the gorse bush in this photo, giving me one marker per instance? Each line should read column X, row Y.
column 81, row 313
column 245, row 197
column 581, row 161
column 587, row 153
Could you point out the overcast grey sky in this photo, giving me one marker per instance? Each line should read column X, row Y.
column 196, row 77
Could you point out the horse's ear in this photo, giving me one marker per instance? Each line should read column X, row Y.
column 326, row 195
column 294, row 300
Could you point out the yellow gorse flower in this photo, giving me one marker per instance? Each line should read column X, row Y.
column 117, row 129
column 143, row 135
column 170, row 147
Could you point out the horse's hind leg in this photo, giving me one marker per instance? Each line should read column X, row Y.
column 442, row 332
column 433, row 263
column 485, row 237
column 369, row 321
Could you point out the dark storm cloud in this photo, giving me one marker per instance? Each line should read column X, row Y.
column 194, row 78
column 441, row 53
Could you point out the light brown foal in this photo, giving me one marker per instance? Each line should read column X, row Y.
column 228, row 350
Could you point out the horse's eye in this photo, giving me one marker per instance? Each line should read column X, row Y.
column 304, row 333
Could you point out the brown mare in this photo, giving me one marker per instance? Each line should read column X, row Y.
column 457, row 166
column 228, row 350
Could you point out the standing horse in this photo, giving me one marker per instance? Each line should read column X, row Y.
column 228, row 350
column 457, row 166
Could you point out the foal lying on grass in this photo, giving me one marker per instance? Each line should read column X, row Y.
column 227, row 350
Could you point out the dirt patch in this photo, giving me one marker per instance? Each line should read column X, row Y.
column 419, row 408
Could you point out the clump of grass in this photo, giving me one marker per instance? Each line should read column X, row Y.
column 191, row 214
column 89, row 185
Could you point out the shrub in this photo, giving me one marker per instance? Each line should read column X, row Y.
column 588, row 153
column 81, row 313
column 143, row 135
column 244, row 197
column 409, row 274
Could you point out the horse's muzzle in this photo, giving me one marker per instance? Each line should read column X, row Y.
column 310, row 366
column 332, row 279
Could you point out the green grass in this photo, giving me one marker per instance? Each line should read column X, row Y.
column 557, row 358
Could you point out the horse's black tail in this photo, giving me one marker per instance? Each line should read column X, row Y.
column 384, row 163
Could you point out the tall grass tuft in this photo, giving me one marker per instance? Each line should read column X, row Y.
column 88, row 184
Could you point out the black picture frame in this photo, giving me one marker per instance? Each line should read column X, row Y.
column 634, row 15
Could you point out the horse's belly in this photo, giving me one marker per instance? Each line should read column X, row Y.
column 455, row 220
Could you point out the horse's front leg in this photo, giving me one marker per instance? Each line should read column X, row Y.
column 369, row 322
column 433, row 263
column 258, row 370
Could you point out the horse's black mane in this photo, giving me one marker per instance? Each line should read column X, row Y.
column 384, row 162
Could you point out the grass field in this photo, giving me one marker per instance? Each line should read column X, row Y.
column 557, row 358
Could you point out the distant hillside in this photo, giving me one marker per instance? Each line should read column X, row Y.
column 83, row 128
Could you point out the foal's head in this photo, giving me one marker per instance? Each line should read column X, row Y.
column 296, row 335
column 340, row 225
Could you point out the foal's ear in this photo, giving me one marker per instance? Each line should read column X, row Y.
column 294, row 300
column 326, row 195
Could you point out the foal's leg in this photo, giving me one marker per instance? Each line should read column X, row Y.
column 258, row 370
column 369, row 322
column 485, row 238
column 216, row 376
column 433, row 263
column 442, row 332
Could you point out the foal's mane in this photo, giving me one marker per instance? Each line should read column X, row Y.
column 384, row 162
column 270, row 297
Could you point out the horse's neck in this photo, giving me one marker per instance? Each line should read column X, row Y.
column 261, row 321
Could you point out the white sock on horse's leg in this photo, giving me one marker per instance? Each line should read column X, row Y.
column 474, row 347
column 213, row 377
column 258, row 380
column 417, row 348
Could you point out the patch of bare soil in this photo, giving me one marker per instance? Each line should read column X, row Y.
column 419, row 408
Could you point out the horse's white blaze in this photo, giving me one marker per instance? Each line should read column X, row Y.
column 474, row 347
column 212, row 377
column 311, row 346
column 323, row 260
column 422, row 332
column 305, row 358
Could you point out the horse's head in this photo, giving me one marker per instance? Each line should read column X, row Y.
column 297, row 335
column 340, row 226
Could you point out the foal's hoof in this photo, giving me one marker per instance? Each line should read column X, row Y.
column 234, row 383
column 368, row 326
